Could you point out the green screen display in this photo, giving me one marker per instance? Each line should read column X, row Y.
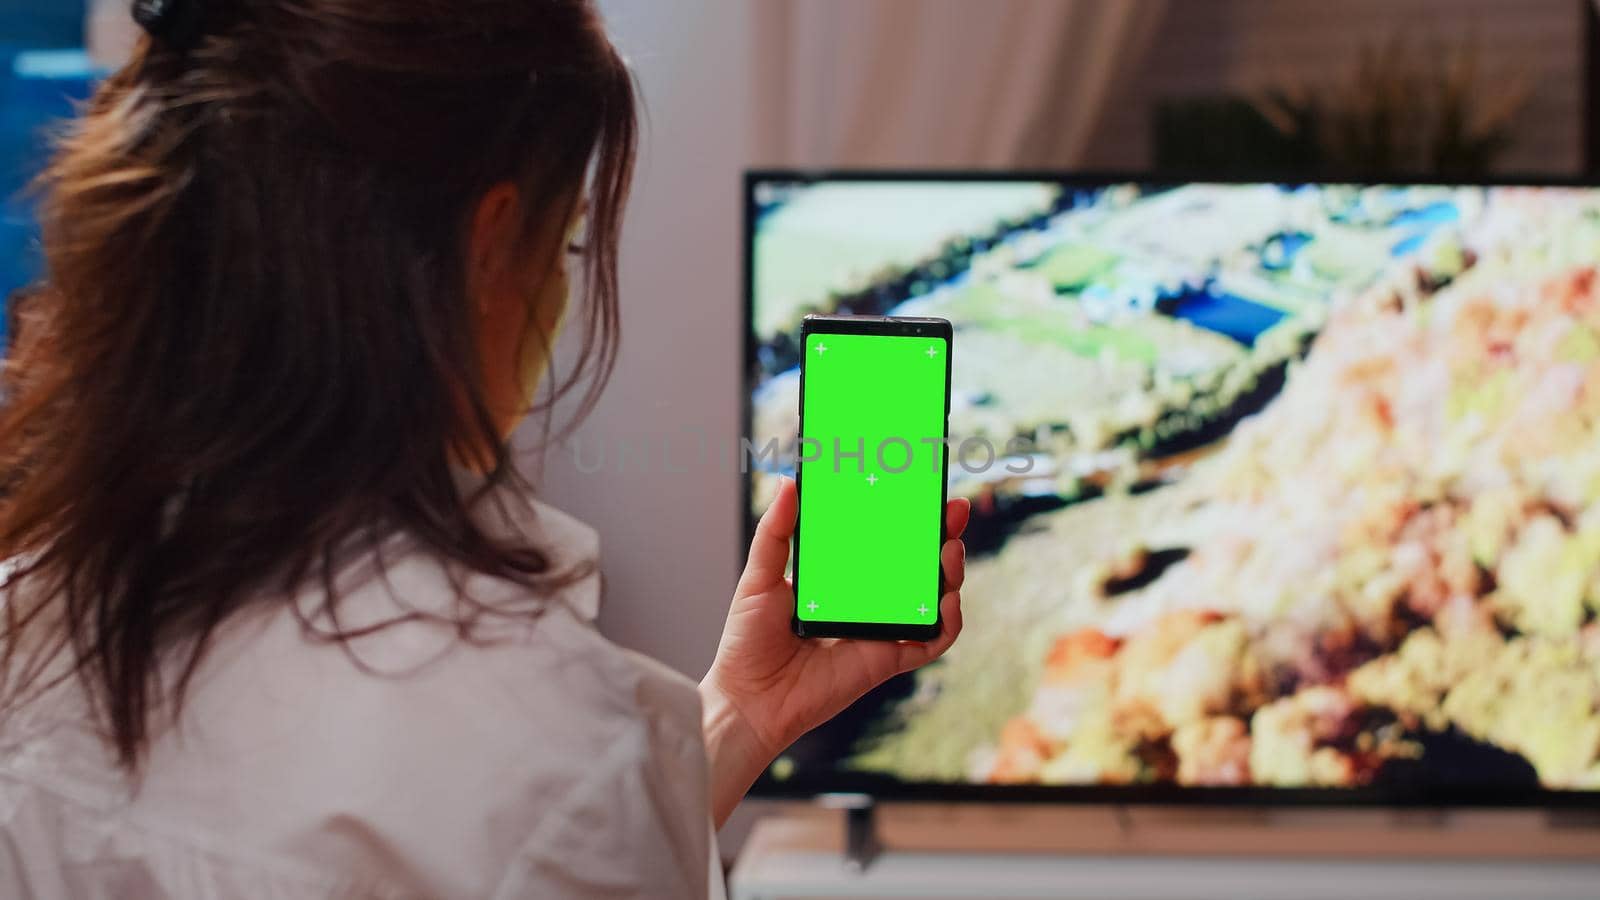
column 872, row 469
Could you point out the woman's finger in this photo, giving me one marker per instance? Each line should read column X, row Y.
column 956, row 515
column 769, row 549
column 950, row 617
column 953, row 563
column 916, row 655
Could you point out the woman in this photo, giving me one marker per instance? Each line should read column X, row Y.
column 280, row 620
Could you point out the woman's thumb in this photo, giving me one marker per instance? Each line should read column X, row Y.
column 769, row 549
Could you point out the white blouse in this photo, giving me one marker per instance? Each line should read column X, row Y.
column 535, row 760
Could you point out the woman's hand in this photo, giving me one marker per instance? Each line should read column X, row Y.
column 767, row 686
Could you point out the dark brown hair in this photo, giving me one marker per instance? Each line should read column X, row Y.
column 254, row 343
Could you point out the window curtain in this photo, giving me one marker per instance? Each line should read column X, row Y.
column 939, row 83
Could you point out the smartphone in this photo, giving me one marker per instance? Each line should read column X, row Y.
column 871, row 464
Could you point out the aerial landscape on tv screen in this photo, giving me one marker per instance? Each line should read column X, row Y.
column 1299, row 485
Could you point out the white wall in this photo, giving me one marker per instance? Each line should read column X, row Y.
column 671, row 541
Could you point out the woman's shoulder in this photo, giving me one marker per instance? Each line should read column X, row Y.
column 531, row 729
column 524, row 655
column 563, row 627
column 464, row 755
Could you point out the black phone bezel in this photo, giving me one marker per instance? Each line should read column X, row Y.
column 889, row 326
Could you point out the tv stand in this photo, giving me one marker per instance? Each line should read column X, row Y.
column 1015, row 853
column 861, row 843
column 1573, row 819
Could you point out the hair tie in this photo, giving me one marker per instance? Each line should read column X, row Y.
column 175, row 23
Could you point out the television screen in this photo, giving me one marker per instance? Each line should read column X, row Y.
column 1279, row 490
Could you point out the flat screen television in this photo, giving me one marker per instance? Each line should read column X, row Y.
column 1282, row 492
